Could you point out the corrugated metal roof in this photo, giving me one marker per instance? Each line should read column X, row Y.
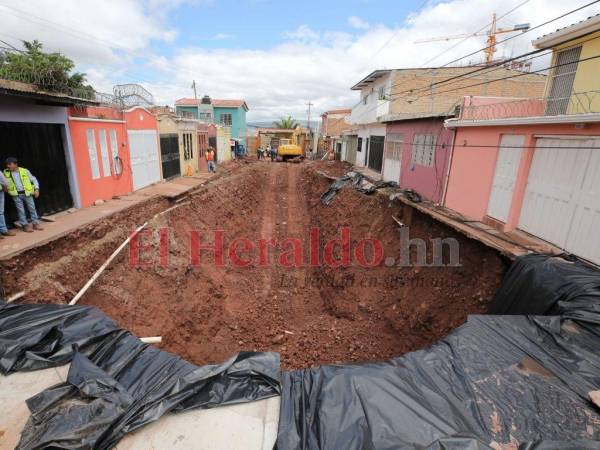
column 19, row 89
column 563, row 29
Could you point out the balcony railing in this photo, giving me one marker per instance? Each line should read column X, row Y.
column 482, row 108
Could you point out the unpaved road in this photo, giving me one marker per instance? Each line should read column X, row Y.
column 311, row 315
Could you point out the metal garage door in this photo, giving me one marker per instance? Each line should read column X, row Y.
column 143, row 148
column 169, row 155
column 505, row 176
column 562, row 200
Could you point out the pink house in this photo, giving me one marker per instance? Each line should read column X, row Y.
column 417, row 152
column 534, row 164
column 541, row 177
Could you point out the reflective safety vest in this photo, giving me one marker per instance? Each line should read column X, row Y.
column 25, row 181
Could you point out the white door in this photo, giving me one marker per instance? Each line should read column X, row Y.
column 505, row 176
column 143, row 148
column 393, row 157
column 562, row 199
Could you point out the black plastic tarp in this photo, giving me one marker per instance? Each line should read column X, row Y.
column 116, row 383
column 359, row 182
column 496, row 380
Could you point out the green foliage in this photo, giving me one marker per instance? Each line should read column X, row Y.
column 286, row 123
column 49, row 71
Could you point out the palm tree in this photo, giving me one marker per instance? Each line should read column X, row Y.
column 286, row 123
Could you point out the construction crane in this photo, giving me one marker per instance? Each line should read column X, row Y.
column 491, row 40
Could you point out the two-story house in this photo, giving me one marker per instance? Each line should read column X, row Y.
column 533, row 165
column 227, row 113
column 365, row 139
column 399, row 120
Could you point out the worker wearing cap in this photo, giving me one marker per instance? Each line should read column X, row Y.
column 23, row 187
column 4, row 231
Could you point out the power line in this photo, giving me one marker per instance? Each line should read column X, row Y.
column 524, row 32
column 496, row 64
column 401, row 94
column 478, row 31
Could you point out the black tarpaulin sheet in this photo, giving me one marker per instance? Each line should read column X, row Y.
column 545, row 285
column 116, row 383
column 499, row 380
column 358, row 181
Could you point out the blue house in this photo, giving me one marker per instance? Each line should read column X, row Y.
column 229, row 113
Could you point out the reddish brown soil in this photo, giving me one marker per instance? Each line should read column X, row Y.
column 311, row 315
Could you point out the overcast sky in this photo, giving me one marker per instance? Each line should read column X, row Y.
column 276, row 55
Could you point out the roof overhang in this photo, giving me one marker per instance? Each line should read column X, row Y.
column 535, row 120
column 402, row 117
column 17, row 89
column 569, row 33
column 373, row 76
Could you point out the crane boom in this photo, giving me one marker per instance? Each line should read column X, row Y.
column 491, row 40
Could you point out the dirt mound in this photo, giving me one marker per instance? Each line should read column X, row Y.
column 263, row 300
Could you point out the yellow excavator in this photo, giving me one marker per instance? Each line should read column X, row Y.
column 290, row 148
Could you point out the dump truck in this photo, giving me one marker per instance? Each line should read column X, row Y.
column 290, row 148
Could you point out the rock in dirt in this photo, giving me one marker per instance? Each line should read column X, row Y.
column 278, row 339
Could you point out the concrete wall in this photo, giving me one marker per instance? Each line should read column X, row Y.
column 367, row 113
column 223, row 144
column 108, row 185
column 473, row 165
column 364, row 132
column 443, row 98
column 427, row 181
column 25, row 110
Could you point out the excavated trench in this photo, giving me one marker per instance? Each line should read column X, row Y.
column 277, row 287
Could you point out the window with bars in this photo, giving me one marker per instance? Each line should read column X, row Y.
column 563, row 77
column 423, row 150
column 188, row 149
column 226, row 119
column 394, row 146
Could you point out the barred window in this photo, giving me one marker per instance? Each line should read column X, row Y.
column 423, row 150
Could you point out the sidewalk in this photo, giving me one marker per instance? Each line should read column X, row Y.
column 66, row 222
column 248, row 426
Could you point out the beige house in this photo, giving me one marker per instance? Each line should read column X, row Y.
column 179, row 145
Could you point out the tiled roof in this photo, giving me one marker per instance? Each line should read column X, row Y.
column 229, row 103
column 187, row 102
column 578, row 29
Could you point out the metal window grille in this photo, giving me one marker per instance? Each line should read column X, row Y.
column 562, row 81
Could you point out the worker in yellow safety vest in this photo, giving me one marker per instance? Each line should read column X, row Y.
column 23, row 187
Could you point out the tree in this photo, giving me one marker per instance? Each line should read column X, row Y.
column 286, row 123
column 48, row 71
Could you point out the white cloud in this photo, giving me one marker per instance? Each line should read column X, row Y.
column 358, row 23
column 303, row 33
column 305, row 65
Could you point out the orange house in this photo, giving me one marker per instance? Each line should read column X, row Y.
column 101, row 153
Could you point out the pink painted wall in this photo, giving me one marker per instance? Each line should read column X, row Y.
column 427, row 181
column 140, row 119
column 472, row 167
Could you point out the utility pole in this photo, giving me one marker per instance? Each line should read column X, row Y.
column 310, row 105
column 194, row 88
